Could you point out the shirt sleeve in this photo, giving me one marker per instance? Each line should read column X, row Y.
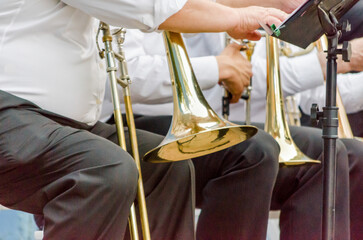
column 146, row 15
column 350, row 88
column 206, row 71
column 300, row 73
column 297, row 74
column 149, row 70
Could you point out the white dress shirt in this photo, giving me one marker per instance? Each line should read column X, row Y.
column 48, row 51
column 351, row 90
column 148, row 67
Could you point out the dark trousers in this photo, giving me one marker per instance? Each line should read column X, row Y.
column 297, row 192
column 355, row 156
column 81, row 181
column 233, row 186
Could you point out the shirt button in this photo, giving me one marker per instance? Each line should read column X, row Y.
column 100, row 64
column 98, row 101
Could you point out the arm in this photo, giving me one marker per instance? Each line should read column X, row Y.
column 297, row 73
column 350, row 88
column 285, row 5
column 180, row 15
column 150, row 76
column 149, row 72
column 206, row 16
column 356, row 60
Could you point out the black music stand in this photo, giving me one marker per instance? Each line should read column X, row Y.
column 304, row 26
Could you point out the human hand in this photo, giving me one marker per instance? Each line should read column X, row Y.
column 235, row 71
column 290, row 5
column 250, row 19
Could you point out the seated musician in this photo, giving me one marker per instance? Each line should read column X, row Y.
column 298, row 190
column 57, row 159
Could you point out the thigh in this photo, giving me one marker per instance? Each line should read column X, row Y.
column 35, row 151
column 254, row 160
column 152, row 173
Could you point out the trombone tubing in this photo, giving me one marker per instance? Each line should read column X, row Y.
column 111, row 69
column 132, row 133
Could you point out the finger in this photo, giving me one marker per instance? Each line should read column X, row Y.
column 276, row 13
column 235, row 98
column 235, row 45
column 253, row 36
column 273, row 20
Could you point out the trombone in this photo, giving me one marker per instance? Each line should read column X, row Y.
column 196, row 130
column 124, row 81
column 276, row 124
column 293, row 113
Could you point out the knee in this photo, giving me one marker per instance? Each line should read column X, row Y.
column 341, row 156
column 181, row 171
column 119, row 177
column 264, row 150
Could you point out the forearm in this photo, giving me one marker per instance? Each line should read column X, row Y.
column 342, row 67
column 246, row 3
column 201, row 16
column 285, row 5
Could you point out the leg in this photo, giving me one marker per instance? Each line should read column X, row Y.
column 234, row 187
column 298, row 191
column 83, row 184
column 355, row 156
column 168, row 189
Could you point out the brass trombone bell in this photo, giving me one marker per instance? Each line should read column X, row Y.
column 276, row 124
column 196, row 130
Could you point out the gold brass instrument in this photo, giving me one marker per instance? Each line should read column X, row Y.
column 124, row 80
column 227, row 95
column 249, row 51
column 196, row 130
column 293, row 113
column 248, row 47
column 276, row 124
column 287, row 51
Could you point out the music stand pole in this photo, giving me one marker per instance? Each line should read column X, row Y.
column 329, row 117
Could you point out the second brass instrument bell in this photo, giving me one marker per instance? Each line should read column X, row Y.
column 196, row 130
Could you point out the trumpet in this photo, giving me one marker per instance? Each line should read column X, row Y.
column 276, row 124
column 124, row 81
column 196, row 130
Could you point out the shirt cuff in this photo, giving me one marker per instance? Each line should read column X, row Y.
column 206, row 71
